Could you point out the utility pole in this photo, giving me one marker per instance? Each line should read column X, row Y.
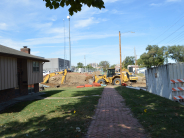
column 69, row 42
column 135, row 60
column 120, row 56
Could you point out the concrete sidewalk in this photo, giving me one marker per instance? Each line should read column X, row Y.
column 113, row 119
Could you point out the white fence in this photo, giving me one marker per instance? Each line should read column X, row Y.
column 158, row 80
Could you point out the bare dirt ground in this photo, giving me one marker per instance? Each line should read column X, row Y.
column 141, row 82
column 74, row 79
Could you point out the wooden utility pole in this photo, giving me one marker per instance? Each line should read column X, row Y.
column 120, row 56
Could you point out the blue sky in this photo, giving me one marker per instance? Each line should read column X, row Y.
column 94, row 32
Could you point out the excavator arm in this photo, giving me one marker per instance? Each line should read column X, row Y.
column 46, row 79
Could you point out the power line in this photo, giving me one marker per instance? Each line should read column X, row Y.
column 168, row 28
column 175, row 38
column 170, row 34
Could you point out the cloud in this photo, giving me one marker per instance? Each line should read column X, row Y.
column 87, row 12
column 35, row 52
column 154, row 4
column 85, row 23
column 3, row 26
column 173, row 0
column 117, row 12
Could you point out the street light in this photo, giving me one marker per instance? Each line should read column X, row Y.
column 68, row 17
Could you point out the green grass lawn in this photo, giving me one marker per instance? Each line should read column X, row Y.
column 50, row 118
column 162, row 119
column 72, row 92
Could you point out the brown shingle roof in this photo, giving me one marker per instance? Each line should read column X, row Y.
column 12, row 52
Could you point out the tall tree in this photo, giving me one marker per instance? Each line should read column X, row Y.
column 129, row 60
column 113, row 66
column 80, row 65
column 140, row 63
column 75, row 5
column 105, row 65
column 89, row 66
column 165, row 53
column 153, row 57
column 176, row 53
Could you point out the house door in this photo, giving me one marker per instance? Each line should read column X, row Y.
column 19, row 73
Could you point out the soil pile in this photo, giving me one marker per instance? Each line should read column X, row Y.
column 72, row 79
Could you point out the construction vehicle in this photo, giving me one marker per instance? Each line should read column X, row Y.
column 132, row 77
column 46, row 79
column 112, row 78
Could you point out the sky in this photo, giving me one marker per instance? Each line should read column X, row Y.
column 94, row 33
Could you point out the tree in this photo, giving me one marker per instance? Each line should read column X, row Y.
column 76, row 5
column 80, row 65
column 105, row 65
column 89, row 66
column 165, row 53
column 176, row 53
column 129, row 60
column 113, row 66
column 73, row 67
column 154, row 56
column 140, row 63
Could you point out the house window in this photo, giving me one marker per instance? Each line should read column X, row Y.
column 35, row 66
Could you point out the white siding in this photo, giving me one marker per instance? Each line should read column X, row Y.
column 34, row 77
column 8, row 73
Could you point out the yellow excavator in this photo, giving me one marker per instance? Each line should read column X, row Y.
column 46, row 79
column 113, row 77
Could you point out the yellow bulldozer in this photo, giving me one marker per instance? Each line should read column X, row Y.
column 46, row 79
column 113, row 77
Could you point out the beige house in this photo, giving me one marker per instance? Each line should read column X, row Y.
column 20, row 72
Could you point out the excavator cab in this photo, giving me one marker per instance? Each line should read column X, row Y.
column 111, row 72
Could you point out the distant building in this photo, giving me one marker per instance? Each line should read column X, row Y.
column 94, row 65
column 117, row 67
column 55, row 64
column 142, row 70
column 137, row 67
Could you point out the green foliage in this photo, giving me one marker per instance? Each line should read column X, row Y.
column 75, row 5
column 154, row 56
column 89, row 67
column 80, row 65
column 140, row 63
column 176, row 53
column 165, row 53
column 129, row 60
column 113, row 66
column 105, row 65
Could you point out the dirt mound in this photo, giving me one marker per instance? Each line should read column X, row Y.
column 72, row 79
